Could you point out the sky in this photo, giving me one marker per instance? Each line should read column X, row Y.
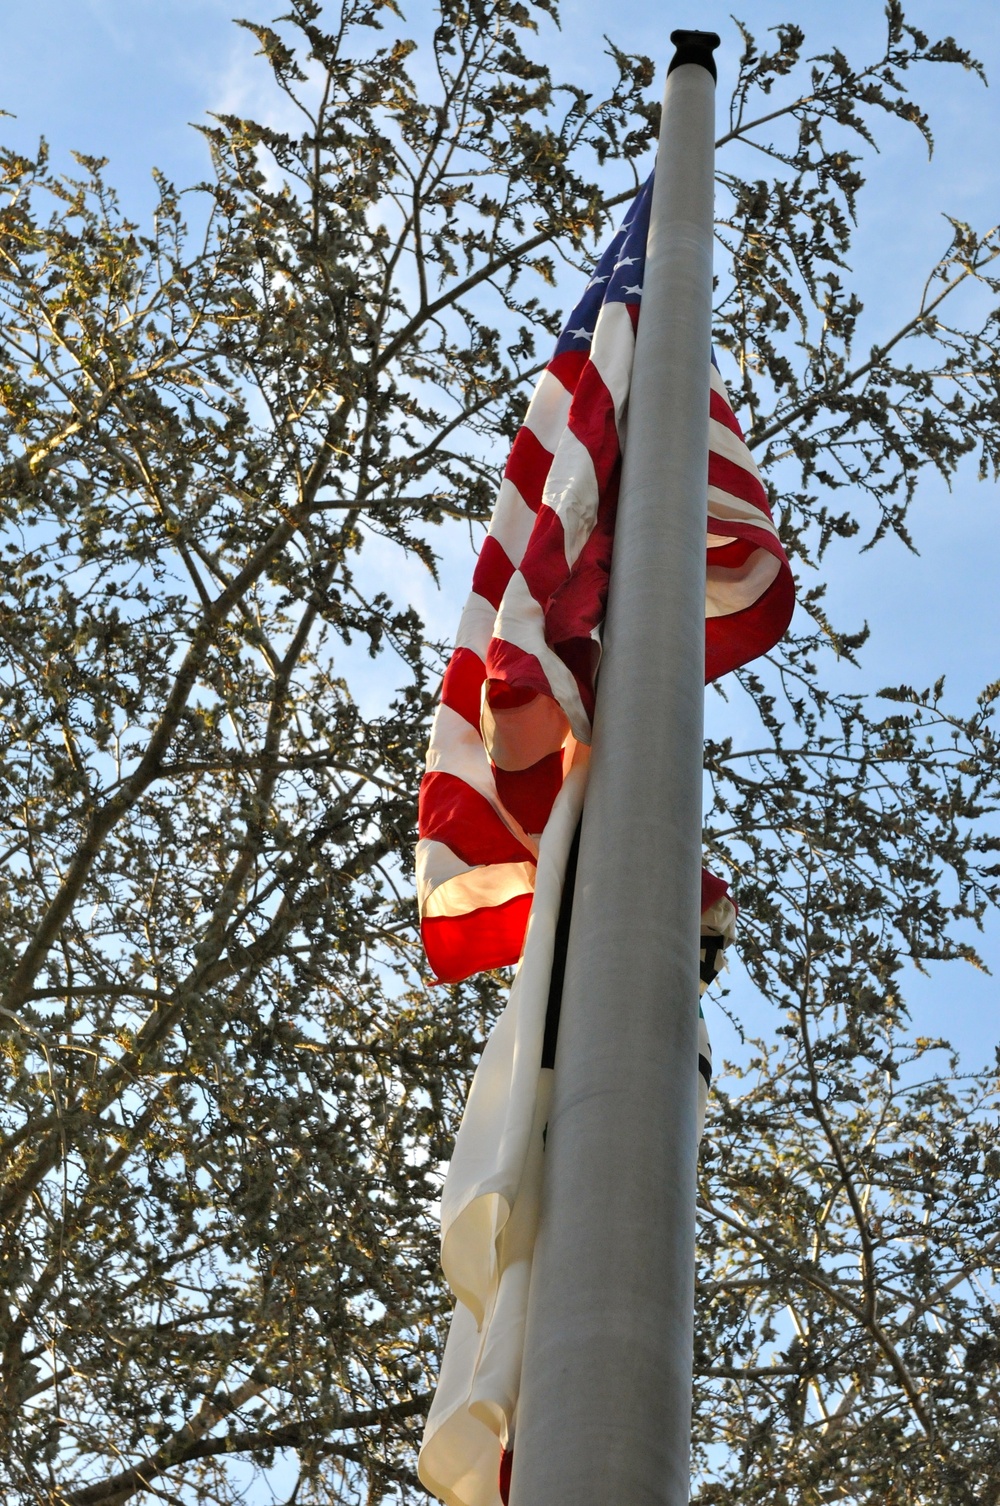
column 129, row 79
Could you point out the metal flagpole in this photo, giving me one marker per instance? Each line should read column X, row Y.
column 604, row 1416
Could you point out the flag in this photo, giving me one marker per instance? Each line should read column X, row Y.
column 518, row 693
column 501, row 798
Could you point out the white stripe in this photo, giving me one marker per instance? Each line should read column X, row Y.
column 730, row 509
column 612, row 351
column 485, row 887
column 456, row 747
column 548, row 411
column 435, row 864
column 520, row 622
column 518, row 736
column 720, row 920
column 722, row 441
column 571, row 492
column 730, row 590
column 476, row 626
column 512, row 522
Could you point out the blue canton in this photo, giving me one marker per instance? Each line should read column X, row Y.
column 618, row 278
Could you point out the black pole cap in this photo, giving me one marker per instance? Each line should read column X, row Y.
column 694, row 47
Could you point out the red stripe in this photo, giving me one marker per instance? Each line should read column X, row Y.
column 493, row 571
column 529, row 793
column 749, row 537
column 567, row 367
column 452, row 812
column 528, row 467
column 578, row 605
column 504, row 697
column 459, row 945
column 506, row 1465
column 513, row 667
column 732, row 556
column 581, row 657
column 592, row 420
column 712, row 889
column 720, row 410
column 462, row 687
column 732, row 478
column 544, row 564
column 742, row 636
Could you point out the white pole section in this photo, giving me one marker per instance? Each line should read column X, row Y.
column 604, row 1417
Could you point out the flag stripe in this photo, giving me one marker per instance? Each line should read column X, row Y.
column 528, row 467
column 462, row 687
column 451, row 809
column 494, row 569
column 512, row 522
column 494, row 932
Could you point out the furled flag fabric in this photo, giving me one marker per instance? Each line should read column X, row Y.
column 502, row 795
column 490, row 1201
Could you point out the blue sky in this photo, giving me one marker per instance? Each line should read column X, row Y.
column 125, row 78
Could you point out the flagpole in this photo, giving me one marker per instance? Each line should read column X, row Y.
column 604, row 1415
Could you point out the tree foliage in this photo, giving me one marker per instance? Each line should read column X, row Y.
column 229, row 439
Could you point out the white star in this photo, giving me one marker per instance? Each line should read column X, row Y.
column 581, row 334
column 635, row 288
column 595, row 280
column 626, row 261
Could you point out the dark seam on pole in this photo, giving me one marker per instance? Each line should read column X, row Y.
column 559, row 951
column 694, row 47
column 711, row 947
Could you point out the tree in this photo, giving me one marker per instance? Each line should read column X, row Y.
column 228, row 1087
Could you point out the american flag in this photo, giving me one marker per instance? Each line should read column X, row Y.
column 502, row 797
column 518, row 693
